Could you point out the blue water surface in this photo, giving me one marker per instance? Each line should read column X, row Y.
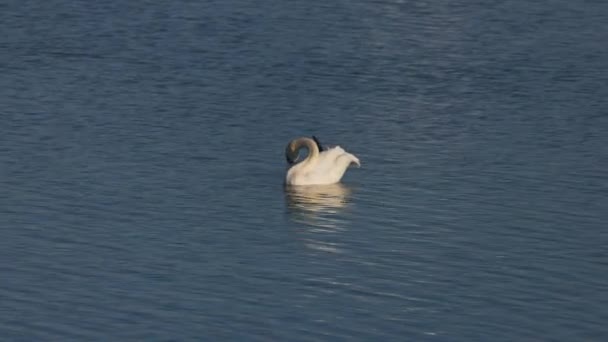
column 142, row 167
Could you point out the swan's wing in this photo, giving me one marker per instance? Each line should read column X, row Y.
column 332, row 164
column 350, row 158
column 335, row 156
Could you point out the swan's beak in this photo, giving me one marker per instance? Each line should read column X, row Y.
column 291, row 154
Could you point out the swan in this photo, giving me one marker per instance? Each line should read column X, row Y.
column 321, row 166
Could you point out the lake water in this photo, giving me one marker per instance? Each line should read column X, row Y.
column 142, row 167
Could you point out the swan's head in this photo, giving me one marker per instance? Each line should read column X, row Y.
column 292, row 152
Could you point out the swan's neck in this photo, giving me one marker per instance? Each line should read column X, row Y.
column 313, row 152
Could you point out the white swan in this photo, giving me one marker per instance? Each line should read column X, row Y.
column 319, row 167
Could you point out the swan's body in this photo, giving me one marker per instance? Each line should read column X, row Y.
column 319, row 167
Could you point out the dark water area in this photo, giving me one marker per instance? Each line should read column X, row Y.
column 142, row 167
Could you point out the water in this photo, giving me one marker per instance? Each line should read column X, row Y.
column 141, row 168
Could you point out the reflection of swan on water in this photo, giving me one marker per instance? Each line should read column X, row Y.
column 318, row 198
column 318, row 205
column 320, row 208
column 320, row 166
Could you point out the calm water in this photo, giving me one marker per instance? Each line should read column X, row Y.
column 141, row 169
